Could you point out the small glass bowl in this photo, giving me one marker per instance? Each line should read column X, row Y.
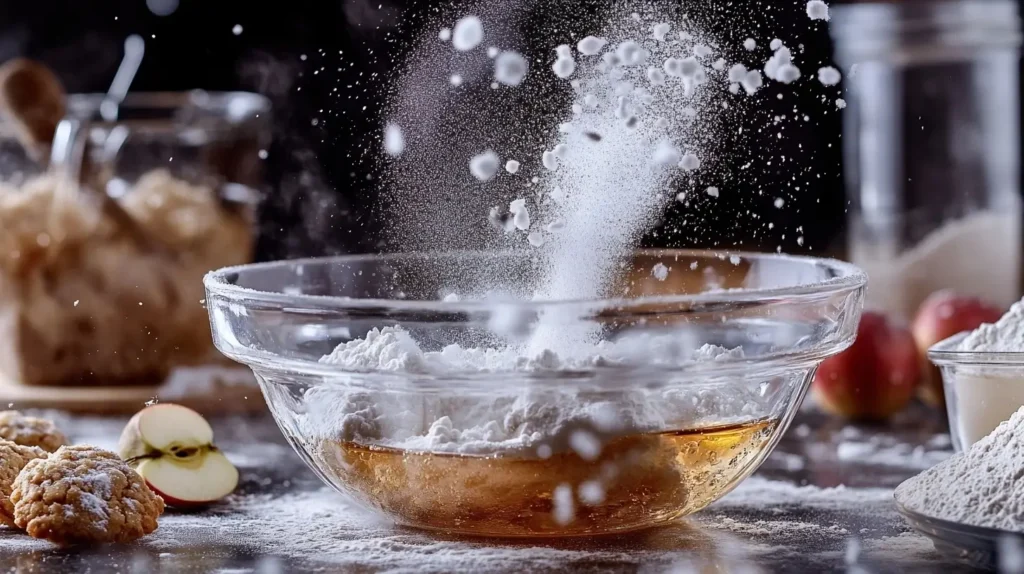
column 982, row 389
column 642, row 437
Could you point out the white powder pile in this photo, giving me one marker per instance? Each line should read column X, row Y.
column 981, row 486
column 1004, row 336
column 513, row 420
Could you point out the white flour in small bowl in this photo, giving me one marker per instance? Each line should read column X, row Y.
column 986, row 396
column 980, row 487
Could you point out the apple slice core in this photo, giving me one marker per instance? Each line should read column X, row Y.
column 202, row 480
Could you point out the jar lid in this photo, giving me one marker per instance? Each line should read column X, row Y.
column 923, row 31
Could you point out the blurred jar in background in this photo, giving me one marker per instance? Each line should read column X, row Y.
column 82, row 300
column 932, row 152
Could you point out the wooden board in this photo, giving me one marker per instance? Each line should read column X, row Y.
column 210, row 390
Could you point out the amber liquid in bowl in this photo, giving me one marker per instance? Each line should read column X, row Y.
column 643, row 480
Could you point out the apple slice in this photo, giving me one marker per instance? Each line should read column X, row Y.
column 172, row 448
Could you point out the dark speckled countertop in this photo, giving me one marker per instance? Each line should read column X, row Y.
column 822, row 502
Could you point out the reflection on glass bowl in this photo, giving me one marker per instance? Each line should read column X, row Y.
column 682, row 389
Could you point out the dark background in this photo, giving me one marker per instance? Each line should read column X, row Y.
column 321, row 62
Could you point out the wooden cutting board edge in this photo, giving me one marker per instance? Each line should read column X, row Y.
column 213, row 399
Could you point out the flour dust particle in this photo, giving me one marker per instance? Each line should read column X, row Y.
column 817, row 10
column 468, row 33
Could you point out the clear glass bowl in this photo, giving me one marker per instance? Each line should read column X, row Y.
column 646, row 433
column 982, row 389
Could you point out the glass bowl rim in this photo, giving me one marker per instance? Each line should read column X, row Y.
column 946, row 353
column 849, row 278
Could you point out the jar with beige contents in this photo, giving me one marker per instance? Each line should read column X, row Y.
column 84, row 300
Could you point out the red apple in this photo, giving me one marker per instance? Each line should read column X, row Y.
column 942, row 315
column 172, row 448
column 874, row 378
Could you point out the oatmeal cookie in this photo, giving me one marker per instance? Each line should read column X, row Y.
column 83, row 494
column 30, row 431
column 13, row 457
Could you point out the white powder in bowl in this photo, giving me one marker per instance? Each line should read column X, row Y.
column 1004, row 336
column 524, row 416
column 985, row 397
column 981, row 486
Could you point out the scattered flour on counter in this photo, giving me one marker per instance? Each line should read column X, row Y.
column 885, row 451
column 981, row 486
column 759, row 492
column 287, row 525
column 1004, row 336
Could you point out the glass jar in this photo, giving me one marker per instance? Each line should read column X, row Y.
column 932, row 149
column 84, row 301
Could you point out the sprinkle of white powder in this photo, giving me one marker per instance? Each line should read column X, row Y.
column 492, row 52
column 829, row 76
column 512, row 166
column 690, row 162
column 817, row 10
column 712, row 191
column 660, row 271
column 779, row 202
column 840, row 103
column 629, row 53
column 394, row 141
column 468, row 33
column 521, row 216
column 445, row 34
column 591, row 45
column 535, row 239
column 750, row 44
column 564, row 510
column 510, row 68
column 787, row 74
column 549, row 160
column 656, row 76
column 661, row 30
column 737, row 73
column 591, row 492
column 752, row 82
column 666, row 155
column 564, row 67
column 484, row 166
column 455, row 80
column 585, row 444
